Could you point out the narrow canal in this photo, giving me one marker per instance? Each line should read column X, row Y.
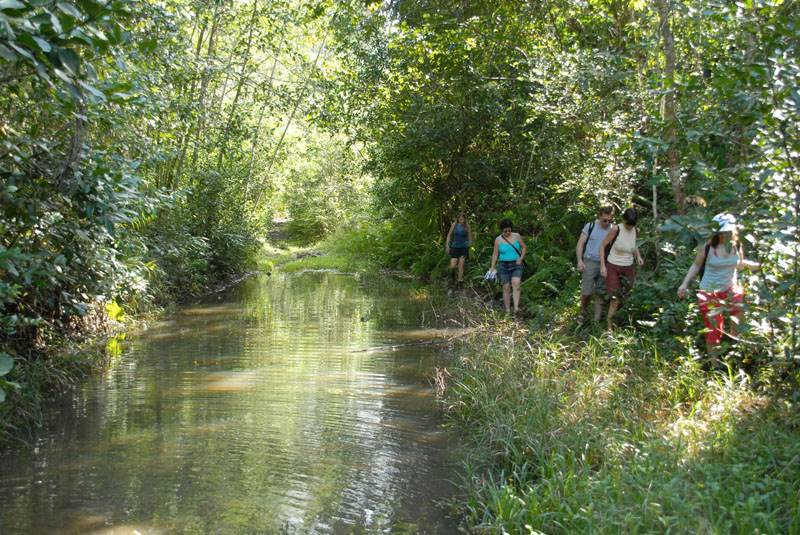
column 272, row 408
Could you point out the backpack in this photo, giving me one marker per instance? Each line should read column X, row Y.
column 705, row 259
column 591, row 228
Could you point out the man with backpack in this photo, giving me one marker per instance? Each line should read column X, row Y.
column 592, row 283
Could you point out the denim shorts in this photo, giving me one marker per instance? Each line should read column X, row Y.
column 508, row 270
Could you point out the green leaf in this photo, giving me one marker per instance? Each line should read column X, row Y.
column 7, row 54
column 90, row 7
column 11, row 4
column 90, row 71
column 6, row 363
column 70, row 60
column 93, row 90
column 67, row 22
column 27, row 40
column 21, row 51
column 147, row 46
column 70, row 10
column 64, row 76
column 42, row 72
column 655, row 181
column 44, row 46
column 75, row 92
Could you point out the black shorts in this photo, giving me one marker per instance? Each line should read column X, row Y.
column 458, row 252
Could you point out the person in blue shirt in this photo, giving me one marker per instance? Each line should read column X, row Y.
column 720, row 294
column 592, row 282
column 457, row 245
column 509, row 250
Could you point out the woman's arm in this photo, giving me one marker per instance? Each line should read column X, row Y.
column 469, row 233
column 749, row 264
column 522, row 249
column 694, row 269
column 447, row 239
column 495, row 253
column 639, row 258
column 603, row 244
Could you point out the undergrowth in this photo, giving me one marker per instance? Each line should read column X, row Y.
column 611, row 435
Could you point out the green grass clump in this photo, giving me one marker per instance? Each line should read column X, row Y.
column 609, row 435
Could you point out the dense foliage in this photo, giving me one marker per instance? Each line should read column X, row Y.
column 144, row 154
column 542, row 111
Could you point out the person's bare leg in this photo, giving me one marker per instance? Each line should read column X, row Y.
column 461, row 268
column 712, row 348
column 585, row 303
column 598, row 307
column 515, row 284
column 507, row 296
column 613, row 305
column 452, row 275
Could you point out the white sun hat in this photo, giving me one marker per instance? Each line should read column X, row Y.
column 725, row 222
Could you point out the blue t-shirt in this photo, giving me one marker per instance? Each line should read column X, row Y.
column 507, row 252
column 592, row 251
column 460, row 236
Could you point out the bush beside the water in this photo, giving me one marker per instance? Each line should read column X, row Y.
column 610, row 435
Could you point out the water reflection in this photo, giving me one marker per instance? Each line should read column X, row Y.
column 258, row 413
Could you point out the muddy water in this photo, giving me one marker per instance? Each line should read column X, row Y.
column 276, row 407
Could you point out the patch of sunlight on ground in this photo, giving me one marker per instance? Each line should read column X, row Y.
column 712, row 417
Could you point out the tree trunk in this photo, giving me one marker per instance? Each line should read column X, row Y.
column 668, row 106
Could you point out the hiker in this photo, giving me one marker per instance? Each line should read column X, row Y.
column 457, row 246
column 592, row 283
column 509, row 249
column 616, row 263
column 719, row 293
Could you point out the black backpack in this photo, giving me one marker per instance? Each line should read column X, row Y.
column 591, row 228
column 705, row 259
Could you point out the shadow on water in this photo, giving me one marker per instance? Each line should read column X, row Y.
column 256, row 412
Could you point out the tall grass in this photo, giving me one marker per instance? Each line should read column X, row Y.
column 610, row 435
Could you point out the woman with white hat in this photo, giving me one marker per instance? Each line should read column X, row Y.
column 720, row 292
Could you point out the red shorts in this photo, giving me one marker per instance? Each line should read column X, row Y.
column 714, row 305
column 614, row 282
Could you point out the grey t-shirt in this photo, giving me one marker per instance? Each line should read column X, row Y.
column 592, row 250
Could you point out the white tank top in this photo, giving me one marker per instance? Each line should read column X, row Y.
column 622, row 251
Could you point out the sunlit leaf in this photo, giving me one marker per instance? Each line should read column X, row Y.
column 69, row 10
column 7, row 54
column 11, row 4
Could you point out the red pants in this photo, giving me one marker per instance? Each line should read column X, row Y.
column 714, row 305
column 614, row 284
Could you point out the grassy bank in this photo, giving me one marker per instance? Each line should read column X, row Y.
column 610, row 435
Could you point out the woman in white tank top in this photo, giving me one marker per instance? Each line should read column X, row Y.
column 617, row 268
